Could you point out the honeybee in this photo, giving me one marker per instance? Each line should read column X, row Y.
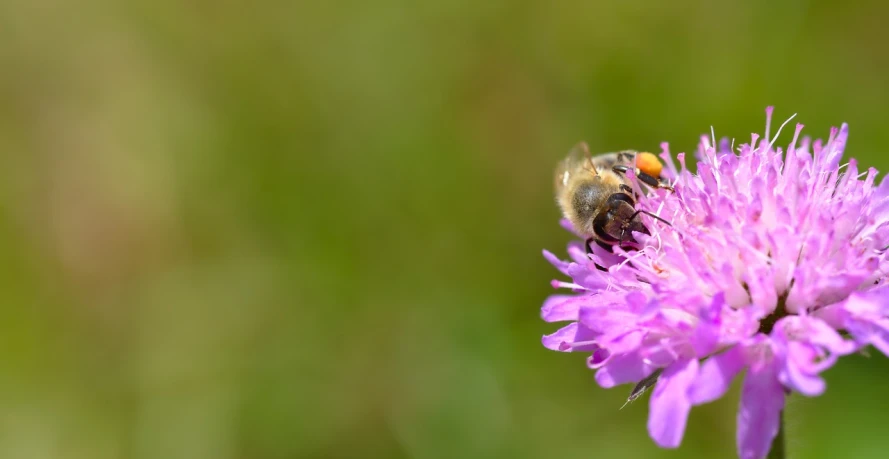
column 595, row 194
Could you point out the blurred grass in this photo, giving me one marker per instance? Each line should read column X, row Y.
column 313, row 230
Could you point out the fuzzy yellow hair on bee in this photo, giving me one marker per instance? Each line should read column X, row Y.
column 596, row 196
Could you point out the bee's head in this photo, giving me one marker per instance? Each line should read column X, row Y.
column 616, row 223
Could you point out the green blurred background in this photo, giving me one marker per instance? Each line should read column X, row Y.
column 313, row 230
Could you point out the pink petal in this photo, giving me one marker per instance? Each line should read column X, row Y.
column 819, row 332
column 555, row 261
column 797, row 372
column 573, row 337
column 561, row 340
column 623, row 369
column 762, row 399
column 559, row 308
column 588, row 277
column 873, row 332
column 716, row 375
column 707, row 334
column 670, row 404
column 565, row 223
column 622, row 342
column 577, row 252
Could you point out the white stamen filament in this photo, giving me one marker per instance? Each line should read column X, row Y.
column 713, row 136
column 779, row 131
column 571, row 285
column 578, row 344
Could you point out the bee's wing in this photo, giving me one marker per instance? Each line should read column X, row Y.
column 571, row 164
column 580, row 152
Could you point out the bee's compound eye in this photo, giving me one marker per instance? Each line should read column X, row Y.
column 649, row 164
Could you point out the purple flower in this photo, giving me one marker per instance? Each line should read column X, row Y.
column 774, row 263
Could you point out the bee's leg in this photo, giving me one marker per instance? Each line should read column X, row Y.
column 621, row 169
column 665, row 186
column 653, row 182
column 643, row 177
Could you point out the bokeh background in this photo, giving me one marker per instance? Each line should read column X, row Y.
column 313, row 229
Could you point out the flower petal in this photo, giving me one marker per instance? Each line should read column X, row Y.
column 561, row 339
column 820, row 333
column 565, row 223
column 716, row 375
column 573, row 337
column 623, row 369
column 762, row 399
column 707, row 333
column 797, row 372
column 577, row 252
column 555, row 261
column 559, row 308
column 670, row 404
column 622, row 342
column 864, row 316
column 873, row 332
column 588, row 277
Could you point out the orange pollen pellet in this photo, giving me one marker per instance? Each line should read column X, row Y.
column 649, row 163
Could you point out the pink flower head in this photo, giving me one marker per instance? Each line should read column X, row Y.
column 774, row 262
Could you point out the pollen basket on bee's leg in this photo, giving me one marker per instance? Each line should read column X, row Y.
column 649, row 164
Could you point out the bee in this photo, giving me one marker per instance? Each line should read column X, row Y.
column 595, row 195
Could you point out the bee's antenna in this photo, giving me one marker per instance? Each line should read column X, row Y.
column 650, row 215
column 591, row 167
column 637, row 212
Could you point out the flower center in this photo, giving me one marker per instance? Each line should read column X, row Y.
column 768, row 323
